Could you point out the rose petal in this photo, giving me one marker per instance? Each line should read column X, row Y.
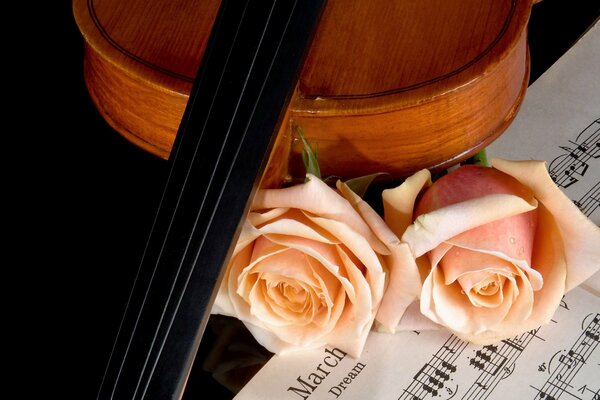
column 512, row 236
column 248, row 234
column 366, row 298
column 319, row 199
column 256, row 218
column 413, row 319
column 449, row 306
column 403, row 287
column 398, row 203
column 549, row 258
column 293, row 228
column 523, row 303
column 359, row 245
column 487, row 290
column 239, row 307
column 435, row 227
column 469, row 182
column 375, row 222
column 325, row 254
column 533, row 275
column 295, row 223
column 459, row 261
column 436, row 255
column 403, row 280
column 580, row 236
column 223, row 303
column 301, row 332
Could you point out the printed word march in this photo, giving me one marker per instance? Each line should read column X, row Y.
column 305, row 386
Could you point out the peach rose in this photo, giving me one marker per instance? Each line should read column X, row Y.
column 309, row 269
column 497, row 247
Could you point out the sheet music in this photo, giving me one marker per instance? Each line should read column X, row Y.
column 559, row 121
column 558, row 360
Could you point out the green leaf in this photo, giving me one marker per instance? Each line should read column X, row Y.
column 309, row 156
column 361, row 184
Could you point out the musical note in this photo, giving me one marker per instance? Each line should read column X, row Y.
column 496, row 363
column 429, row 389
column 566, row 360
column 449, row 349
column 491, row 347
column 546, row 396
column 570, row 363
column 577, row 154
column 450, row 367
column 573, row 165
column 433, row 375
column 594, row 336
column 442, row 374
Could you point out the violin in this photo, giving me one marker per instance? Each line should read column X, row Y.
column 380, row 86
column 387, row 86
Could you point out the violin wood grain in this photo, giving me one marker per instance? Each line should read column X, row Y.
column 387, row 86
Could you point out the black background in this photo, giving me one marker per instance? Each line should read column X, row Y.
column 81, row 200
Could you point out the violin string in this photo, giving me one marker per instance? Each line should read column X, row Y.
column 213, row 173
column 168, row 230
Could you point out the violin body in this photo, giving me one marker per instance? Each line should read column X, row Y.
column 387, row 86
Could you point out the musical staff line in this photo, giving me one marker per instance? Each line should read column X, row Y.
column 590, row 201
column 572, row 166
column 574, row 162
column 571, row 362
column 432, row 377
column 508, row 352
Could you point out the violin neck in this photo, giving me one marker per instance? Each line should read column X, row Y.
column 241, row 91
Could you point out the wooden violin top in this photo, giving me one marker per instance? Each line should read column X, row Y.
column 391, row 86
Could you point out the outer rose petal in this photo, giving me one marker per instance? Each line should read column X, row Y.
column 398, row 203
column 513, row 236
column 403, row 287
column 403, row 280
column 580, row 236
column 435, row 227
column 222, row 304
column 317, row 198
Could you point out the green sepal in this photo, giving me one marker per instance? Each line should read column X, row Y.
column 481, row 158
column 309, row 156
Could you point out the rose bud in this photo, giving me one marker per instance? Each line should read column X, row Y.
column 497, row 247
column 309, row 269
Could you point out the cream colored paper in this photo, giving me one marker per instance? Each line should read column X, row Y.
column 559, row 121
column 558, row 359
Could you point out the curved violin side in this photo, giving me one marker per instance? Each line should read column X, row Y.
column 387, row 86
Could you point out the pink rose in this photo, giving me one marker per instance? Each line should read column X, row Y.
column 309, row 269
column 497, row 247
